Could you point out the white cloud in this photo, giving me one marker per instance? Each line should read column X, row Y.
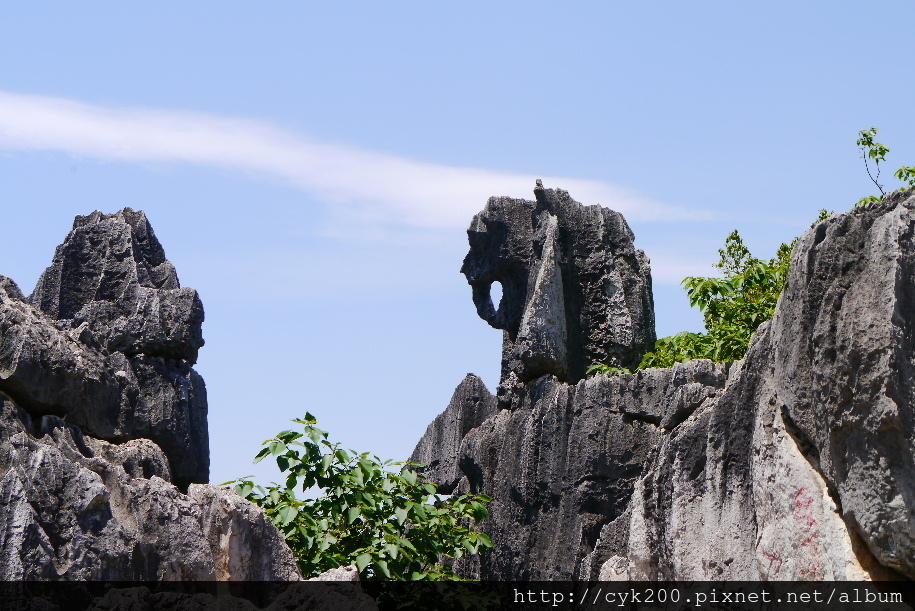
column 375, row 186
column 672, row 269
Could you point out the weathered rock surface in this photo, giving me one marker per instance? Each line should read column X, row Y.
column 112, row 275
column 562, row 464
column 103, row 433
column 795, row 463
column 79, row 508
column 439, row 449
column 574, row 290
column 112, row 345
column 803, row 468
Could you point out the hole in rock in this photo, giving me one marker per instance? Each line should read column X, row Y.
column 495, row 293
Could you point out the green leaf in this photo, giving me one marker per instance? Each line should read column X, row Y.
column 352, row 513
column 261, row 455
column 326, row 461
column 282, row 462
column 401, row 515
column 362, row 561
column 287, row 514
column 277, row 447
column 288, row 436
column 383, row 567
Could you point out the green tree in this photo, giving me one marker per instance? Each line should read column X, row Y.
column 390, row 525
column 733, row 307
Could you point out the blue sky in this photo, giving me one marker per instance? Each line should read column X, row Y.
column 311, row 168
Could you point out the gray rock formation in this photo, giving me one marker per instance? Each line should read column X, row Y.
column 103, row 433
column 77, row 508
column 111, row 274
column 562, row 464
column 110, row 342
column 808, row 454
column 574, row 290
column 795, row 463
column 439, row 448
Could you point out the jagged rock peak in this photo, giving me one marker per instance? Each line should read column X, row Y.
column 8, row 286
column 575, row 291
column 111, row 275
column 107, row 342
column 104, row 452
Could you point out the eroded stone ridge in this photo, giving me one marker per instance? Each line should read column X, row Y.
column 574, row 290
column 561, row 464
column 438, row 450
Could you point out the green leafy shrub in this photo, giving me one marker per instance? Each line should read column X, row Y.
column 733, row 306
column 390, row 525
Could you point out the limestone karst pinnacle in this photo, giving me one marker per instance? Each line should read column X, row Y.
column 796, row 463
column 104, row 450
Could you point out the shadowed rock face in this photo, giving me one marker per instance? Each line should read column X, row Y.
column 795, row 463
column 574, row 290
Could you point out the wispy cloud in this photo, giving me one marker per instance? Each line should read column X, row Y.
column 373, row 185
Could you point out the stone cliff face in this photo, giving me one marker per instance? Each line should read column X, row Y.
column 795, row 463
column 104, row 451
